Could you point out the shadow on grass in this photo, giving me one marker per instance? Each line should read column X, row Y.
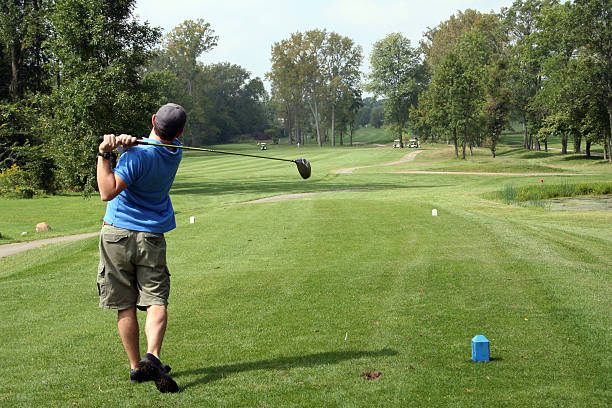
column 210, row 374
column 509, row 151
column 537, row 155
column 580, row 156
column 267, row 187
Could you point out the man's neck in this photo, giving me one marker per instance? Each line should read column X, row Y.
column 154, row 136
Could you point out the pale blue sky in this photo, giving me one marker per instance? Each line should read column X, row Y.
column 247, row 29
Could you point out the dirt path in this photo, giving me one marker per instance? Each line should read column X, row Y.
column 12, row 249
column 409, row 157
column 284, row 197
column 485, row 173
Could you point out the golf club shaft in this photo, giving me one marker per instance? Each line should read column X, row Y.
column 201, row 149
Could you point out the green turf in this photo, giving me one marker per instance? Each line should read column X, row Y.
column 264, row 295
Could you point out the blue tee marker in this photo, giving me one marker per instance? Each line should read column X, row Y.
column 480, row 348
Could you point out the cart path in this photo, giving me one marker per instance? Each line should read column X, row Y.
column 409, row 157
column 12, row 249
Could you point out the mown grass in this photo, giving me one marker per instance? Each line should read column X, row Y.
column 264, row 295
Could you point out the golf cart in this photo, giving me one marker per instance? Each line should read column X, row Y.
column 413, row 143
column 396, row 144
column 263, row 146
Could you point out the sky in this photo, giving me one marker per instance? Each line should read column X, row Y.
column 247, row 29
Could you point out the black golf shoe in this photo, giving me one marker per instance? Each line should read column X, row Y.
column 152, row 368
column 137, row 376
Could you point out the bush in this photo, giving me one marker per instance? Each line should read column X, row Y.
column 14, row 183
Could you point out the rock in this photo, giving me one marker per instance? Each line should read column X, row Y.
column 43, row 226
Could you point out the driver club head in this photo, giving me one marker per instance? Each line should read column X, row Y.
column 303, row 167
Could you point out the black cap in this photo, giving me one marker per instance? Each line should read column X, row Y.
column 170, row 119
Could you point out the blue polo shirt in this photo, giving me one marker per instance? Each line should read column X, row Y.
column 145, row 204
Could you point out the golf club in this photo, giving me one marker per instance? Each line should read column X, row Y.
column 302, row 164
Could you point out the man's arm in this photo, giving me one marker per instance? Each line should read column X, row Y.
column 110, row 184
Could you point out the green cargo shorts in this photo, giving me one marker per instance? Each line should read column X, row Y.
column 132, row 270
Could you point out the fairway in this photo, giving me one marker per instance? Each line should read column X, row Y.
column 292, row 303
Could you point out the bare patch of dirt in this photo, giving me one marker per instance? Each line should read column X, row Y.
column 284, row 197
column 409, row 157
column 372, row 375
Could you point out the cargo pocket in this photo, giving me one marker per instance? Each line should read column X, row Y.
column 156, row 240
column 115, row 235
column 100, row 280
column 154, row 245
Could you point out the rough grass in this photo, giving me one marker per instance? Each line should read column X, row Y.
column 536, row 193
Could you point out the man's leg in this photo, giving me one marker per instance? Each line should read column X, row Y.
column 155, row 328
column 150, row 365
column 127, row 322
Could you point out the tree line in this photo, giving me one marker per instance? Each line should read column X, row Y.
column 72, row 70
column 542, row 63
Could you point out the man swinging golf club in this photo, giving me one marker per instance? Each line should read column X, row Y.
column 132, row 272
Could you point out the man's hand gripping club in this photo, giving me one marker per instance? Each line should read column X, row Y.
column 111, row 142
column 110, row 184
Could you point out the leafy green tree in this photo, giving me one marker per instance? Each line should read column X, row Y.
column 237, row 102
column 377, row 116
column 454, row 101
column 314, row 72
column 525, row 60
column 398, row 75
column 177, row 58
column 440, row 40
column 310, row 68
column 497, row 104
column 287, row 85
column 341, row 62
column 363, row 115
column 594, row 32
column 23, row 31
column 99, row 52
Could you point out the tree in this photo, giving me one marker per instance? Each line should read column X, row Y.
column 440, row 40
column 341, row 62
column 377, row 116
column 310, row 63
column 178, row 59
column 594, row 31
column 314, row 71
column 398, row 75
column 99, row 51
column 454, row 101
column 525, row 59
column 23, row 31
column 236, row 102
column 497, row 104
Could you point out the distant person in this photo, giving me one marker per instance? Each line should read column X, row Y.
column 132, row 272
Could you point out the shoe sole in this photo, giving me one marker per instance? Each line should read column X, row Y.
column 163, row 381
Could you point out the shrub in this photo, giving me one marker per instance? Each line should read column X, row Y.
column 14, row 183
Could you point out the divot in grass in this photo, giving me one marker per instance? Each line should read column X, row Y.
column 372, row 375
